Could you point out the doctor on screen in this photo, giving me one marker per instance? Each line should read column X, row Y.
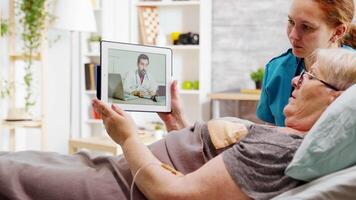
column 140, row 82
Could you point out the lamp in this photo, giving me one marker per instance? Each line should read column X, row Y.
column 74, row 16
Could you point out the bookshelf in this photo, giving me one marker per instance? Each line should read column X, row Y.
column 110, row 26
column 190, row 62
column 90, row 130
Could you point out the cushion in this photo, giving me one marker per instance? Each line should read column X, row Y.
column 330, row 145
column 224, row 133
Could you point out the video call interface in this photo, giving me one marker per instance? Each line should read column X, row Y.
column 137, row 78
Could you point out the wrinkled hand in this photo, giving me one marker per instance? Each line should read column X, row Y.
column 174, row 120
column 119, row 125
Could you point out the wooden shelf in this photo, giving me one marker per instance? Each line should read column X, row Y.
column 16, row 57
column 184, row 47
column 193, row 92
column 90, row 92
column 168, row 3
column 234, row 96
column 94, row 121
column 91, row 54
column 21, row 124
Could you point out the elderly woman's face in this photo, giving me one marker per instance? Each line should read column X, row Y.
column 309, row 99
column 306, row 29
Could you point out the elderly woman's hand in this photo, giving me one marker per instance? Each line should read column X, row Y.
column 119, row 125
column 174, row 120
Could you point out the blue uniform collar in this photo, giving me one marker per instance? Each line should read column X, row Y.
column 300, row 66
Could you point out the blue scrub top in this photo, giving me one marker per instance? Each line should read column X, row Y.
column 277, row 87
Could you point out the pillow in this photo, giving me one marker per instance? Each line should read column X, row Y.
column 338, row 185
column 330, row 145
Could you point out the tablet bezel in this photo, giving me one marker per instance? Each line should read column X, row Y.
column 104, row 47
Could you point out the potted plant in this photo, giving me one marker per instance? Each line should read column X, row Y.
column 94, row 43
column 257, row 77
column 3, row 27
column 33, row 17
column 4, row 90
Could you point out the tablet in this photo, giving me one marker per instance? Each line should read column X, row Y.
column 135, row 77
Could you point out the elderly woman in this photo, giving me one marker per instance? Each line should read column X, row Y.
column 250, row 168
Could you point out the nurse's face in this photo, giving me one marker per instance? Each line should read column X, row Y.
column 309, row 99
column 306, row 29
column 142, row 65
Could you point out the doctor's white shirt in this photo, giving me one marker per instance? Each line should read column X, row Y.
column 132, row 83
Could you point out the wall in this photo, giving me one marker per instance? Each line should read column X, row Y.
column 246, row 35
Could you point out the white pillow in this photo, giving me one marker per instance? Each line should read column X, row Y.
column 338, row 185
column 331, row 143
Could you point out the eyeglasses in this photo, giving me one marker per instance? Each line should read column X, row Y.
column 312, row 76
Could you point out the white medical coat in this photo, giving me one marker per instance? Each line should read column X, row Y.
column 132, row 83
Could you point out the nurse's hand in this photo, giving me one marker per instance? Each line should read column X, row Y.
column 119, row 125
column 174, row 120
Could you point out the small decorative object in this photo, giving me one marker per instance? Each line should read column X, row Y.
column 175, row 37
column 95, row 115
column 257, row 77
column 94, row 43
column 187, row 85
column 149, row 22
column 196, row 85
column 188, row 38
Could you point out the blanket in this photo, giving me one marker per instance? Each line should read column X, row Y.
column 46, row 175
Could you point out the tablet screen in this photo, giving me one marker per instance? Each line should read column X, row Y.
column 136, row 77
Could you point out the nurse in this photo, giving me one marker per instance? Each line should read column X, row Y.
column 312, row 24
column 140, row 82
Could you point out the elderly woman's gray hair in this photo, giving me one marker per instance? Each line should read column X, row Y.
column 336, row 66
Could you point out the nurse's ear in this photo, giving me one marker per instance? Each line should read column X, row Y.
column 339, row 33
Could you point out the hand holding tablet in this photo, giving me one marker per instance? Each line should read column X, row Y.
column 135, row 77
